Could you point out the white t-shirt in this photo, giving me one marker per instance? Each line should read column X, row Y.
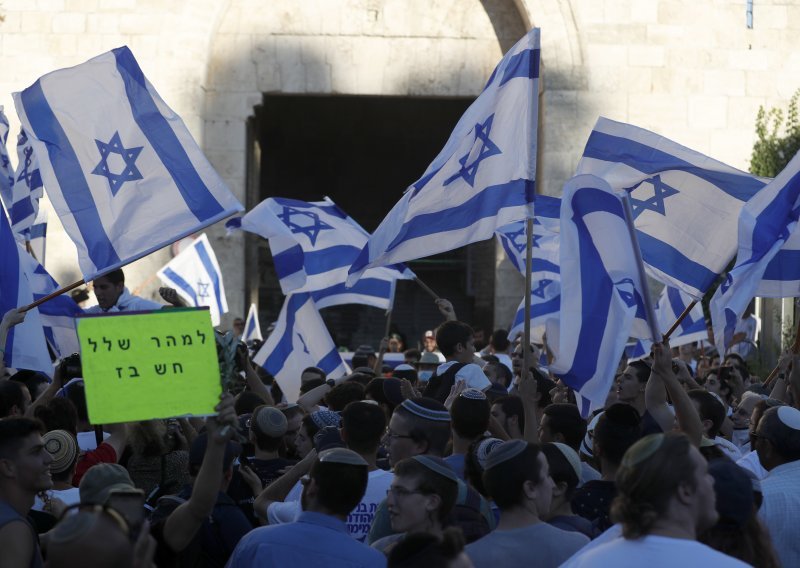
column 653, row 552
column 470, row 373
column 69, row 497
column 751, row 463
column 87, row 441
column 360, row 518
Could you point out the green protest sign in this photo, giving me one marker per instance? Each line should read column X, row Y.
column 149, row 365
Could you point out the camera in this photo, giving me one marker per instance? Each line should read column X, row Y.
column 71, row 368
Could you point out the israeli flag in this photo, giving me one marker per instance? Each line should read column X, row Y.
column 300, row 340
column 38, row 235
column 313, row 245
column 601, row 292
column 483, row 178
column 26, row 346
column 6, row 170
column 768, row 254
column 195, row 275
column 26, row 191
column 546, row 273
column 671, row 304
column 252, row 329
column 685, row 204
column 120, row 167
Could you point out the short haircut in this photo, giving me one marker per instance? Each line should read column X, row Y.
column 11, row 395
column 499, row 339
column 642, row 370
column 785, row 440
column 363, row 424
column 512, row 406
column 310, row 385
column 412, row 354
column 361, row 359
column 13, row 432
column 58, row 414
column 309, row 426
column 710, row 408
column 314, row 370
column 566, row 419
column 648, row 479
column 343, row 394
column 31, row 380
column 430, row 483
column 435, row 432
column 470, row 417
column 409, row 374
column 617, row 429
column 504, row 481
column 544, row 385
column 341, row 486
column 374, row 390
column 115, row 276
column 560, row 469
column 247, row 402
column 425, row 549
column 450, row 334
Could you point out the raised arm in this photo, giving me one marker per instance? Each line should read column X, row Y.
column 685, row 411
column 11, row 318
column 280, row 488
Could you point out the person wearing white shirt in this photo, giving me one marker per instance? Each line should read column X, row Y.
column 455, row 340
column 112, row 296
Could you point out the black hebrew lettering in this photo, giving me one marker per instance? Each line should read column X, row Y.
column 107, row 341
column 177, row 368
column 93, row 344
column 161, row 369
column 124, row 344
column 202, row 337
column 186, row 338
column 173, row 341
column 119, row 372
column 134, row 372
column 158, row 342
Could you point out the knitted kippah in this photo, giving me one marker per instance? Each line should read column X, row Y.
column 473, row 394
column 324, row 418
column 642, row 450
column 269, row 421
column 62, row 447
column 437, row 465
column 341, row 455
column 433, row 414
column 485, row 448
column 504, row 452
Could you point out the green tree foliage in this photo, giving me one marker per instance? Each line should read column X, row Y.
column 778, row 140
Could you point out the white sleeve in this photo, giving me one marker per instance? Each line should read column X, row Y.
column 279, row 513
column 474, row 377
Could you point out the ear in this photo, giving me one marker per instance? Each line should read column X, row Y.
column 7, row 469
column 342, row 435
column 707, row 424
column 686, row 494
column 433, row 502
column 559, row 438
column 513, row 419
column 559, row 489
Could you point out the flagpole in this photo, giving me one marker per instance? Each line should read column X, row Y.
column 382, row 350
column 648, row 304
column 526, row 322
column 427, row 288
column 52, row 295
column 795, row 348
column 678, row 321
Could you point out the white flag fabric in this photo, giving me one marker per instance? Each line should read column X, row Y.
column 671, row 304
column 196, row 276
column 252, row 329
column 313, row 245
column 26, row 346
column 299, row 340
column 38, row 235
column 6, row 171
column 483, row 179
column 120, row 167
column 26, row 191
column 685, row 204
column 768, row 254
column 601, row 293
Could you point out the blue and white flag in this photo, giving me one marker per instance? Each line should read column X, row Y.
column 195, row 275
column 27, row 189
column 26, row 346
column 545, row 274
column 252, row 329
column 767, row 261
column 6, row 170
column 670, row 306
column 483, row 178
column 313, row 245
column 601, row 293
column 38, row 235
column 299, row 340
column 685, row 204
column 120, row 167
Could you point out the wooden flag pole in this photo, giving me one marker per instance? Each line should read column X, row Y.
column 526, row 334
column 795, row 348
column 41, row 301
column 427, row 288
column 675, row 325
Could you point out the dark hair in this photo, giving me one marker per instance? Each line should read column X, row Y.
column 751, row 543
column 450, row 334
column 58, row 414
column 341, row 485
column 436, row 433
column 247, row 402
column 544, row 385
column 31, row 379
column 617, row 430
column 565, row 419
column 642, row 370
column 374, row 390
column 310, row 426
column 470, row 417
column 412, row 354
column 504, row 481
column 409, row 374
column 646, row 485
column 561, row 469
column 316, row 371
column 310, row 385
column 499, row 339
column 473, row 472
column 430, row 483
column 115, row 276
column 363, row 425
column 425, row 549
column 709, row 408
column 11, row 395
column 76, row 394
column 343, row 394
column 785, row 440
column 12, row 433
column 512, row 406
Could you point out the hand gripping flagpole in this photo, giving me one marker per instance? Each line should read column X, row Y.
column 648, row 304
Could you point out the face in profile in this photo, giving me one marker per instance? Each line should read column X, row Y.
column 705, row 500
column 106, row 292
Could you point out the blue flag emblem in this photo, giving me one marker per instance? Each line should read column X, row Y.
column 129, row 171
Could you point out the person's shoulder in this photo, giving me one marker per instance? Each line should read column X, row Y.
column 562, row 536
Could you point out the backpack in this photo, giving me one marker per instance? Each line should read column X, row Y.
column 438, row 387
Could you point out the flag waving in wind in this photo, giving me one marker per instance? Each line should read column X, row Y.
column 26, row 191
column 670, row 306
column 6, row 171
column 601, row 293
column 120, row 167
column 196, row 276
column 313, row 245
column 685, row 204
column 299, row 340
column 252, row 329
column 483, row 179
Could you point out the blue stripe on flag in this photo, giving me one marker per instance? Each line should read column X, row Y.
column 547, row 206
column 251, row 327
column 609, row 148
column 331, row 258
column 784, row 266
column 181, row 283
column 654, row 251
column 70, row 177
column 487, row 203
column 166, row 145
column 284, row 348
column 212, row 273
column 38, row 230
column 289, row 261
column 21, row 209
column 330, row 361
column 365, row 287
column 524, row 64
column 9, row 277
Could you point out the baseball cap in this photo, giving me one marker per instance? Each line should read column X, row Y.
column 103, row 479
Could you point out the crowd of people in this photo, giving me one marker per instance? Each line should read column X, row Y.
column 461, row 456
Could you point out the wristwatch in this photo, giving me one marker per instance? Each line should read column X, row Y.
column 331, row 383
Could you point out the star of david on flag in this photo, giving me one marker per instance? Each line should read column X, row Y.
column 685, row 204
column 484, row 177
column 121, row 169
column 195, row 275
column 313, row 245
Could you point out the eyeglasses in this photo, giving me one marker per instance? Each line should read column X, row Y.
column 389, row 435
column 402, row 492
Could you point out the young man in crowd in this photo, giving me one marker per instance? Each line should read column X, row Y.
column 510, row 414
column 563, row 423
column 455, row 340
column 113, row 296
column 469, row 418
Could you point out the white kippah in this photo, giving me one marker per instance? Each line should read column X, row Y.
column 504, row 452
column 790, row 417
column 341, row 455
column 473, row 394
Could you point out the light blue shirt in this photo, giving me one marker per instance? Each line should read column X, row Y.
column 780, row 511
column 313, row 540
column 127, row 302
